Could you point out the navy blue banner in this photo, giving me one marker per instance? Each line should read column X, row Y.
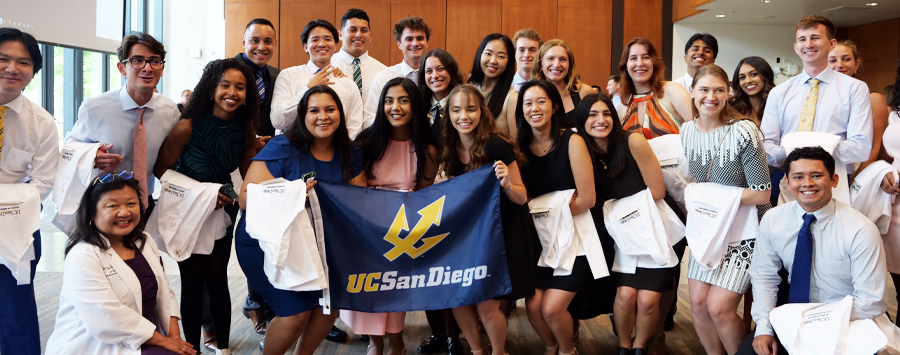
column 439, row 247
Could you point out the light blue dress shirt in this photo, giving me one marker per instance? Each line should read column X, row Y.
column 842, row 109
column 848, row 259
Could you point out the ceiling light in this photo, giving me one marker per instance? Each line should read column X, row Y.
column 872, row 4
column 766, row 1
column 720, row 15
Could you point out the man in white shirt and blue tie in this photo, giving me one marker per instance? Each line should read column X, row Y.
column 353, row 58
column 829, row 250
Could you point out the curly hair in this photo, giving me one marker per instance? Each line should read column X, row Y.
column 413, row 23
column 201, row 102
column 486, row 128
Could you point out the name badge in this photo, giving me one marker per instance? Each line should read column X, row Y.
column 10, row 208
column 175, row 190
column 68, row 154
column 629, row 216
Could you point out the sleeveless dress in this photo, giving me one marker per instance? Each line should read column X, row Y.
column 518, row 235
column 657, row 120
column 149, row 288
column 286, row 161
column 538, row 181
column 397, row 171
column 570, row 116
column 740, row 162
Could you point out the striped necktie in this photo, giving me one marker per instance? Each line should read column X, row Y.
column 808, row 116
column 357, row 75
column 2, row 112
column 260, row 86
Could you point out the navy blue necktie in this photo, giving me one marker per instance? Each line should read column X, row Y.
column 801, row 271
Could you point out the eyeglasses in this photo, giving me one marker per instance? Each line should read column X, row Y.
column 139, row 63
column 109, row 177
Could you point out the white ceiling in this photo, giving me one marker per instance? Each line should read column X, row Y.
column 787, row 12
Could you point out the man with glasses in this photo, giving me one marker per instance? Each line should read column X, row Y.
column 29, row 144
column 131, row 122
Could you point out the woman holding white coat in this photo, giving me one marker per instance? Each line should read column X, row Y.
column 115, row 298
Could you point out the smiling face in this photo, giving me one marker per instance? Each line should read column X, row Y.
column 813, row 45
column 809, row 182
column 118, row 212
column 465, row 113
column 16, row 69
column 437, row 77
column 259, row 44
column 750, row 80
column 230, row 93
column 413, row 44
column 494, row 59
column 526, row 50
column 397, row 106
column 320, row 46
column 710, row 94
column 355, row 36
column 640, row 65
column 599, row 122
column 841, row 59
column 537, row 107
column 555, row 64
column 699, row 54
column 143, row 80
column 322, row 116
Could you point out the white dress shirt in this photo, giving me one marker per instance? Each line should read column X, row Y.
column 685, row 81
column 848, row 259
column 291, row 85
column 110, row 117
column 518, row 80
column 369, row 67
column 842, row 108
column 396, row 71
column 30, row 145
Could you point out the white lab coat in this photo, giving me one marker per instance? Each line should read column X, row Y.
column 277, row 217
column 20, row 217
column 74, row 174
column 828, row 142
column 185, row 220
column 671, row 157
column 100, row 305
column 716, row 220
column 563, row 236
column 644, row 230
column 869, row 199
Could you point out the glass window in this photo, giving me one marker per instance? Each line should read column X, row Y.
column 59, row 61
column 33, row 90
column 115, row 77
column 92, row 76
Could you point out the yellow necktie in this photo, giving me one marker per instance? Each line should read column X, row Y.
column 2, row 112
column 809, row 107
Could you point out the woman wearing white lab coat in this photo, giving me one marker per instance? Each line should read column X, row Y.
column 115, row 298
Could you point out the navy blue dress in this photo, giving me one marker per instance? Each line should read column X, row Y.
column 286, row 161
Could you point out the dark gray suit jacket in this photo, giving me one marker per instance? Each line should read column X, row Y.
column 265, row 109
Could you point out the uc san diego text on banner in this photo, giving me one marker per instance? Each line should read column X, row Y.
column 439, row 247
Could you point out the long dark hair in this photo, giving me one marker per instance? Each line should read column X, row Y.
column 449, row 64
column 302, row 139
column 741, row 101
column 617, row 140
column 84, row 229
column 557, row 120
column 201, row 103
column 374, row 140
column 498, row 95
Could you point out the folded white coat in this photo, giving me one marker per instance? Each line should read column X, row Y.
column 868, row 197
column 563, row 236
column 715, row 220
column 75, row 172
column 828, row 142
column 185, row 220
column 644, row 231
column 277, row 217
column 20, row 216
column 669, row 152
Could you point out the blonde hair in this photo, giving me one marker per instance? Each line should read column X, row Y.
column 571, row 78
column 729, row 115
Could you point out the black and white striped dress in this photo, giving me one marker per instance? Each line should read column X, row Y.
column 741, row 162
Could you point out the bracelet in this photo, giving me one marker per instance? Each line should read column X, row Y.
column 508, row 188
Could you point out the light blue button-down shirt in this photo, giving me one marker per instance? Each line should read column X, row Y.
column 848, row 259
column 842, row 109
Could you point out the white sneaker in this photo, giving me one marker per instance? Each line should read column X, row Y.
column 223, row 352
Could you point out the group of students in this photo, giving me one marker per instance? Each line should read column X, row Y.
column 351, row 119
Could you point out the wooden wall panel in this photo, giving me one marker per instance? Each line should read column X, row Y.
column 879, row 48
column 294, row 16
column 539, row 15
column 435, row 14
column 682, row 9
column 643, row 18
column 238, row 14
column 382, row 28
column 468, row 22
column 587, row 26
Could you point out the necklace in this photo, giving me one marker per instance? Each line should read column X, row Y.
column 601, row 162
column 547, row 146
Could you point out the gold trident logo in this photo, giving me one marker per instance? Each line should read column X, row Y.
column 431, row 214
